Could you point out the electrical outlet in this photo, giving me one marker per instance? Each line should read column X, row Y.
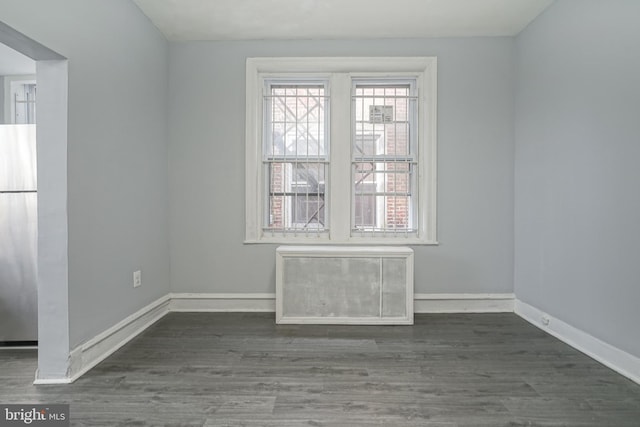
column 137, row 278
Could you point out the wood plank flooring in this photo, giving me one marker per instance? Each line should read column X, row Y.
column 240, row 369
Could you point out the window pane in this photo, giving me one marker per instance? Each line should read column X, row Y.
column 383, row 196
column 295, row 121
column 382, row 120
column 24, row 103
column 297, row 196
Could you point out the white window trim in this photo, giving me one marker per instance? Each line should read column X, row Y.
column 424, row 69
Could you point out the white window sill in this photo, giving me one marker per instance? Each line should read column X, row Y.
column 353, row 241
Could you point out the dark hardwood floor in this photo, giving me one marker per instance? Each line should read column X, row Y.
column 232, row 369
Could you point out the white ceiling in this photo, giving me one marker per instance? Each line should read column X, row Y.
column 13, row 63
column 182, row 20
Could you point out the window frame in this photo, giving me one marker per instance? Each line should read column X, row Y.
column 340, row 72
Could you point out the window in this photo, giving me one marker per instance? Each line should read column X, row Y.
column 384, row 161
column 295, row 156
column 341, row 150
column 20, row 100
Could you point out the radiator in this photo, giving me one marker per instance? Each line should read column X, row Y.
column 344, row 285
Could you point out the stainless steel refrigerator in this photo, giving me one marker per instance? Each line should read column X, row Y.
column 18, row 234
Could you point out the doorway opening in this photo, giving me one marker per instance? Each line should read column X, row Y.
column 18, row 201
column 49, row 98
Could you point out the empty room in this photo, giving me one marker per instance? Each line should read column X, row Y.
column 320, row 213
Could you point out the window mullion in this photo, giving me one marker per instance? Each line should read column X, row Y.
column 340, row 166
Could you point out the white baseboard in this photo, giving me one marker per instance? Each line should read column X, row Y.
column 610, row 356
column 463, row 303
column 423, row 303
column 223, row 302
column 87, row 355
column 51, row 381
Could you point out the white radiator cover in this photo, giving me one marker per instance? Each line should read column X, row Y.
column 368, row 285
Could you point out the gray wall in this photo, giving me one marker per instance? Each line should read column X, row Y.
column 577, row 204
column 117, row 153
column 475, row 143
column 2, row 100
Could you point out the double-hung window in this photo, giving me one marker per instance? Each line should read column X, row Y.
column 384, row 160
column 295, row 156
column 341, row 150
